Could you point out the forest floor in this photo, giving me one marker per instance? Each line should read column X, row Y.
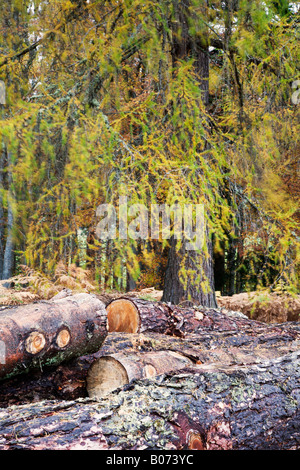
column 31, row 286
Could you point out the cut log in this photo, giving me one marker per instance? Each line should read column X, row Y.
column 254, row 407
column 218, row 338
column 223, row 347
column 218, row 347
column 111, row 372
column 50, row 332
column 68, row 380
column 133, row 315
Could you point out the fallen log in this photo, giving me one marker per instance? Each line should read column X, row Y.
column 218, row 337
column 255, row 407
column 133, row 315
column 68, row 380
column 50, row 332
column 112, row 371
column 109, row 373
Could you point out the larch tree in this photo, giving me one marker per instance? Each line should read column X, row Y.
column 190, row 41
column 168, row 102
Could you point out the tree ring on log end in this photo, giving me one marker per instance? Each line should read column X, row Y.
column 63, row 338
column 194, row 441
column 105, row 375
column 149, row 371
column 35, row 342
column 123, row 316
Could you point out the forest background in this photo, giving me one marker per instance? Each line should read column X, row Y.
column 188, row 102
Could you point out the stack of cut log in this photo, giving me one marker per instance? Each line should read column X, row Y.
column 135, row 374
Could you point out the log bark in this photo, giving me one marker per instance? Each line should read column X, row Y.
column 254, row 407
column 206, row 337
column 218, row 347
column 50, row 332
column 132, row 315
column 224, row 347
column 109, row 373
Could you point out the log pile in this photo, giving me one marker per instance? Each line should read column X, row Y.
column 141, row 375
column 253, row 407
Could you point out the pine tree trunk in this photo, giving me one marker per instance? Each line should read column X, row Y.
column 2, row 158
column 199, row 288
column 219, row 271
column 8, row 261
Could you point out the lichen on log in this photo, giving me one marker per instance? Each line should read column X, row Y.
column 254, row 407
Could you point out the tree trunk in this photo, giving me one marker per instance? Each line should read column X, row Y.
column 219, row 270
column 8, row 260
column 50, row 332
column 200, row 271
column 254, row 407
column 2, row 159
column 199, row 289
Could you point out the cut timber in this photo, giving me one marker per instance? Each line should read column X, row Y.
column 223, row 347
column 209, row 347
column 50, row 332
column 123, row 315
column 131, row 315
column 111, row 372
column 254, row 407
column 215, row 338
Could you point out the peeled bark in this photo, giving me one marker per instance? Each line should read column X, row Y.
column 50, row 332
column 254, row 407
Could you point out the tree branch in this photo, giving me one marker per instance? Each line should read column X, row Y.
column 24, row 51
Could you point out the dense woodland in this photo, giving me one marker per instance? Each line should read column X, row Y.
column 189, row 102
column 114, row 336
